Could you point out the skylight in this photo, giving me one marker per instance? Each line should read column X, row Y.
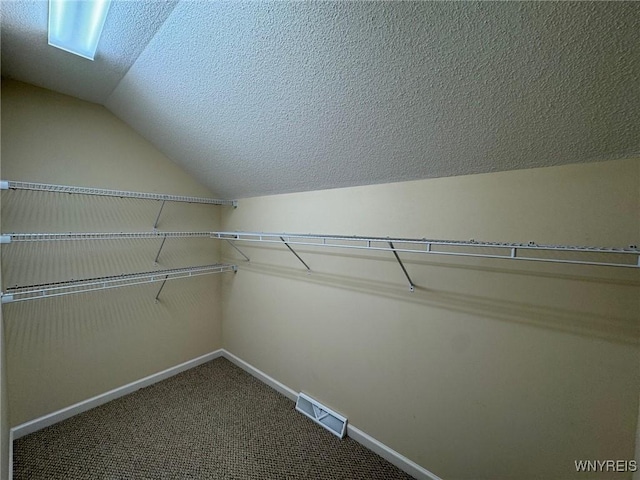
column 76, row 25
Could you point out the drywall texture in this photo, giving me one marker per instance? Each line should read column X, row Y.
column 491, row 369
column 27, row 55
column 4, row 411
column 67, row 349
column 4, row 402
column 292, row 96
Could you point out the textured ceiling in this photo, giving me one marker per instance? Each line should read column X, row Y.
column 27, row 56
column 258, row 98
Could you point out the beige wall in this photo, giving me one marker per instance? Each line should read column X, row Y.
column 64, row 350
column 491, row 369
column 4, row 413
column 636, row 474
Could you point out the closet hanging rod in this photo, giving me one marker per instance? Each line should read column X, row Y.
column 515, row 251
column 44, row 187
column 46, row 290
column 46, row 237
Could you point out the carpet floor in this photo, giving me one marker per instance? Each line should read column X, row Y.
column 214, row 421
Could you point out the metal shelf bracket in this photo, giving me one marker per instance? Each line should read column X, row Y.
column 160, row 249
column 294, row 252
column 155, row 225
column 238, row 250
column 411, row 284
column 161, row 287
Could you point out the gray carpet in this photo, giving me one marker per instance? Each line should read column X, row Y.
column 214, row 421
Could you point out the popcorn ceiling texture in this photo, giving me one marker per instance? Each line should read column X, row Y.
column 257, row 98
column 27, row 56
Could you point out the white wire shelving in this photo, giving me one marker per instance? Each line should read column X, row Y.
column 45, row 187
column 47, row 237
column 465, row 248
column 624, row 257
column 601, row 256
column 22, row 293
column 56, row 237
column 628, row 257
column 514, row 251
column 47, row 290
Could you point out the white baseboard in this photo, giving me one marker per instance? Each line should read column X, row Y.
column 68, row 412
column 400, row 461
column 260, row 375
column 391, row 456
column 355, row 433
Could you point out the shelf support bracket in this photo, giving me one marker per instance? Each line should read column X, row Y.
column 164, row 239
column 294, row 252
column 155, row 225
column 239, row 251
column 411, row 284
column 161, row 287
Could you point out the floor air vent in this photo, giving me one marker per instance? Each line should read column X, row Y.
column 332, row 421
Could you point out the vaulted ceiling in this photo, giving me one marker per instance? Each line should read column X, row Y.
column 258, row 98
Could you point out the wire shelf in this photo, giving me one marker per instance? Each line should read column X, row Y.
column 47, row 290
column 47, row 237
column 45, row 187
column 463, row 248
